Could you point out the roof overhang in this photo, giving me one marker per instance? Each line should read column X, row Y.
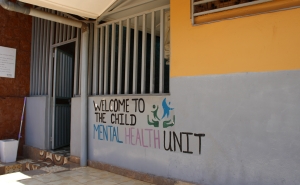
column 84, row 8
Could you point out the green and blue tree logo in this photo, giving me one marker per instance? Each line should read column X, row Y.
column 166, row 119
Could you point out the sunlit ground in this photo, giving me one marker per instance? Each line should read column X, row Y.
column 79, row 176
column 13, row 178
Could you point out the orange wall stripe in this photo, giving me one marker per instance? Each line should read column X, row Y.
column 266, row 42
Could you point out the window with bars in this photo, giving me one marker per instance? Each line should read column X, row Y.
column 131, row 55
column 203, row 7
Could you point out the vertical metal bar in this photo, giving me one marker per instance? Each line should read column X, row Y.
column 69, row 125
column 84, row 99
column 60, row 77
column 135, row 56
column 58, row 124
column 44, row 57
column 152, row 57
column 63, row 74
column 62, row 120
column 72, row 32
column 144, row 44
column 55, row 128
column 95, row 62
column 37, row 56
column 57, row 32
column 71, row 75
column 192, row 12
column 67, row 76
column 112, row 59
column 61, row 124
column 37, row 53
column 90, row 65
column 58, row 72
column 32, row 55
column 101, row 60
column 65, row 124
column 120, row 57
column 162, row 49
column 70, row 78
column 76, row 79
column 41, row 62
column 53, row 99
column 68, row 32
column 48, row 36
column 50, row 79
column 106, row 60
column 80, row 64
column 126, row 86
column 64, row 32
column 60, row 30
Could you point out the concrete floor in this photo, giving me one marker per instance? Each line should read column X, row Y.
column 76, row 176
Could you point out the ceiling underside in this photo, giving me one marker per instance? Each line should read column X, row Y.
column 94, row 8
column 84, row 8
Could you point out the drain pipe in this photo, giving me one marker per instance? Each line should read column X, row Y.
column 84, row 95
column 40, row 14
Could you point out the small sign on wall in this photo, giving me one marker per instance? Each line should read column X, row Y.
column 7, row 62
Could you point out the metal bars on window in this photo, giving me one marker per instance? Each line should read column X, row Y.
column 202, row 7
column 129, row 55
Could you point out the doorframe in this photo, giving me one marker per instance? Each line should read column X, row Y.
column 50, row 99
column 53, row 76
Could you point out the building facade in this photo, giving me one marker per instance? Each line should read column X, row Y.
column 209, row 99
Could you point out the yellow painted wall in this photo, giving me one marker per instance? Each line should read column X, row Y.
column 266, row 42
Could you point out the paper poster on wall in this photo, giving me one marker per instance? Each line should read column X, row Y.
column 7, row 62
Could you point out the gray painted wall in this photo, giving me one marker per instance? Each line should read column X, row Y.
column 75, row 127
column 251, row 126
column 135, row 157
column 35, row 127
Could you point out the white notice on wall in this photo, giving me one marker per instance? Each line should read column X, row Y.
column 7, row 62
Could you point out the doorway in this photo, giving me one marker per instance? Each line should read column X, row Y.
column 63, row 77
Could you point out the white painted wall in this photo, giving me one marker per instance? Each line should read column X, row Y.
column 251, row 127
column 35, row 127
column 75, row 127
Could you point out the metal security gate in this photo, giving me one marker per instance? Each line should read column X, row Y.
column 62, row 94
column 131, row 55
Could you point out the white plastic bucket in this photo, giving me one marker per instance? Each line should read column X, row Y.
column 8, row 150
